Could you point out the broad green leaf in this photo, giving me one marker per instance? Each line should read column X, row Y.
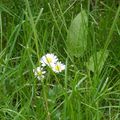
column 101, row 57
column 77, row 35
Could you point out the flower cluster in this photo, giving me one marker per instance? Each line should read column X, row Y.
column 51, row 61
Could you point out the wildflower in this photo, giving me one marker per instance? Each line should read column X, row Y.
column 58, row 67
column 39, row 73
column 48, row 59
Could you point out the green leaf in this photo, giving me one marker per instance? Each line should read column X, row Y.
column 77, row 35
column 101, row 57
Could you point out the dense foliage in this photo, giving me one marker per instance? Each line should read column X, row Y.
column 85, row 35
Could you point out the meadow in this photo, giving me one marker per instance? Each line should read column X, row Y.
column 82, row 38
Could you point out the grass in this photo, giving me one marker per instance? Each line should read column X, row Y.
column 29, row 30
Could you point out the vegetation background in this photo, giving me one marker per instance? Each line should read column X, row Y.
column 32, row 28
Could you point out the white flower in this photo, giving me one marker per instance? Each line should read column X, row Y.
column 58, row 67
column 48, row 59
column 39, row 73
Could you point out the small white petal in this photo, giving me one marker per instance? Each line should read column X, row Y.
column 35, row 73
column 38, row 77
column 43, row 72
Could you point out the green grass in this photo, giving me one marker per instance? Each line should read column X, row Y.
column 29, row 30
